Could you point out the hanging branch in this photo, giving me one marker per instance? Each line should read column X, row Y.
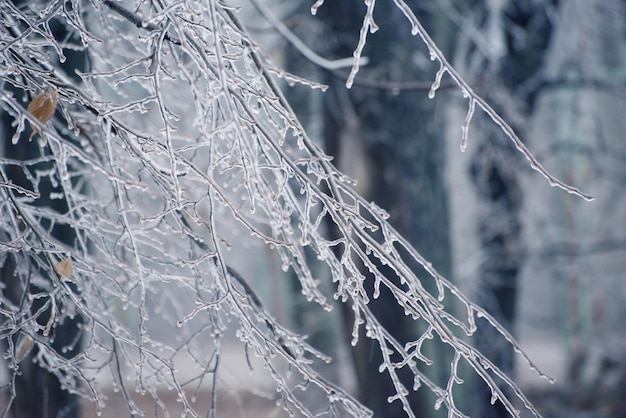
column 369, row 26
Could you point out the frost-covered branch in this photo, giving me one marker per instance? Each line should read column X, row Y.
column 167, row 153
column 369, row 26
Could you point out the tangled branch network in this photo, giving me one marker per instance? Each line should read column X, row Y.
column 175, row 134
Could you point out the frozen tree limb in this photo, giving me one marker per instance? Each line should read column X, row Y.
column 474, row 99
column 301, row 46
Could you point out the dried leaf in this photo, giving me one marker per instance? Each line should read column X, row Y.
column 43, row 107
column 24, row 345
column 64, row 268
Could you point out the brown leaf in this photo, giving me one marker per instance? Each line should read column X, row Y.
column 43, row 107
column 64, row 268
column 24, row 344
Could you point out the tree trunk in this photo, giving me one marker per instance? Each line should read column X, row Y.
column 577, row 270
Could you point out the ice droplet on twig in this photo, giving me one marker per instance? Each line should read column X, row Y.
column 437, row 82
column 16, row 136
column 466, row 123
column 316, row 6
